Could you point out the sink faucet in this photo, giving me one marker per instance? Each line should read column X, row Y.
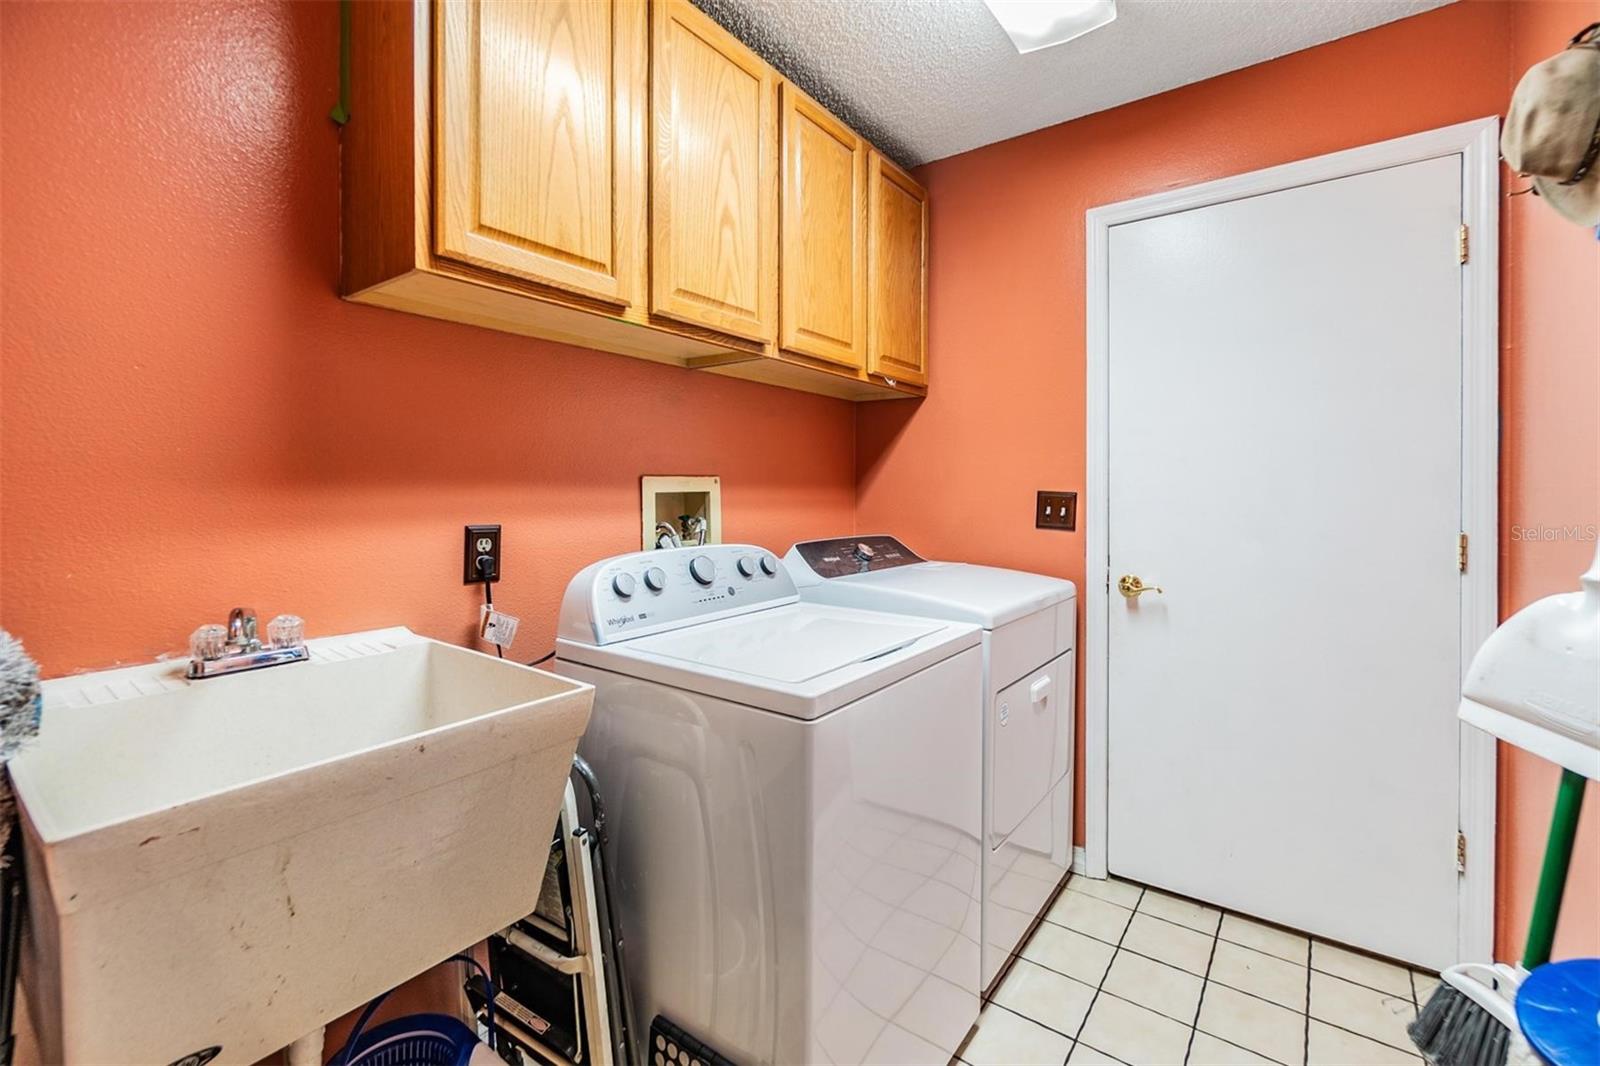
column 242, row 629
column 215, row 650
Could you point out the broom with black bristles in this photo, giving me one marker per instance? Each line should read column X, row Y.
column 19, row 723
column 1471, row 1019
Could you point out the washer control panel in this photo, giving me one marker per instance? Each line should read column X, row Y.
column 652, row 591
column 843, row 556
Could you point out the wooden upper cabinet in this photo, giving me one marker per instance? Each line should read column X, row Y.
column 713, row 177
column 897, row 240
column 822, row 305
column 538, row 174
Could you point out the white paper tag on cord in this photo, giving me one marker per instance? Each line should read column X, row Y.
column 497, row 627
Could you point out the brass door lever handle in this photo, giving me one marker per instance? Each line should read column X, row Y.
column 1132, row 587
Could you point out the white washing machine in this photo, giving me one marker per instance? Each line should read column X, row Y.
column 793, row 792
column 1029, row 626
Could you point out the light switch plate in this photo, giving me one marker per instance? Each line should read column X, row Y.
column 1056, row 510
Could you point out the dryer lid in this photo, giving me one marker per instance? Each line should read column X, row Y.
column 988, row 596
column 788, row 646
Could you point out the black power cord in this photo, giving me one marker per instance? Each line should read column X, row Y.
column 485, row 570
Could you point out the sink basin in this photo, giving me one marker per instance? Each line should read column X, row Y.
column 231, row 863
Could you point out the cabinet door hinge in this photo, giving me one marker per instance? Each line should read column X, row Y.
column 1461, row 852
column 1461, row 553
column 1463, row 243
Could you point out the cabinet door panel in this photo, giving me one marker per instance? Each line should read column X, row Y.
column 898, row 272
column 537, row 175
column 822, row 309
column 713, row 222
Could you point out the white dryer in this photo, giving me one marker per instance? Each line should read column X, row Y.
column 794, row 794
column 1029, row 626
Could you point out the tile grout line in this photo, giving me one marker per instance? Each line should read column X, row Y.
column 1305, row 1039
column 1205, row 983
column 1078, row 1036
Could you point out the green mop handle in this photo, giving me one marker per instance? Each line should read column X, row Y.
column 1553, row 875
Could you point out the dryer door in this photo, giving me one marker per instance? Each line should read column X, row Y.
column 1030, row 744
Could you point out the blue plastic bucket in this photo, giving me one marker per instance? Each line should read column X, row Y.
column 415, row 1040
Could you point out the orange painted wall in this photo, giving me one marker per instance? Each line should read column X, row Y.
column 1550, row 462
column 192, row 419
column 956, row 474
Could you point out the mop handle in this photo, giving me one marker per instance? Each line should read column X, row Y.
column 1553, row 875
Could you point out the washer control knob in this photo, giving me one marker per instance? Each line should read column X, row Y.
column 623, row 585
column 747, row 565
column 655, row 579
column 702, row 569
column 769, row 565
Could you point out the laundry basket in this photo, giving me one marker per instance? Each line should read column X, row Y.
column 415, row 1040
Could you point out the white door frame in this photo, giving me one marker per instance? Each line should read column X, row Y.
column 1477, row 143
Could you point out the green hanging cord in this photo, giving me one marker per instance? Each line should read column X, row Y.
column 341, row 110
column 1553, row 876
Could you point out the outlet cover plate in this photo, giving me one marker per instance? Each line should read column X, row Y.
column 1056, row 510
column 480, row 540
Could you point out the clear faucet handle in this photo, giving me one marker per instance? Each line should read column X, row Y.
column 208, row 642
column 286, row 631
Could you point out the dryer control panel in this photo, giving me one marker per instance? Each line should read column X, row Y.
column 654, row 591
column 843, row 556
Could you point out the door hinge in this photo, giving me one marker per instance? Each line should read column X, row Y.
column 1461, row 553
column 1461, row 852
column 1463, row 243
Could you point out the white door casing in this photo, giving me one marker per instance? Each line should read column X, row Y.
column 1308, row 223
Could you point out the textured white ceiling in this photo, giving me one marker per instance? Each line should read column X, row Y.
column 925, row 79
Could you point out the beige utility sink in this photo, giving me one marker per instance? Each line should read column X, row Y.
column 236, row 861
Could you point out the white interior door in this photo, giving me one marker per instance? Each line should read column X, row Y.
column 1284, row 447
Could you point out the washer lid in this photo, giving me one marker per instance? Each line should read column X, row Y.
column 803, row 660
column 788, row 646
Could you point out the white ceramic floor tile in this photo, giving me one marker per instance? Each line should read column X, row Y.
column 1111, row 889
column 1090, row 915
column 883, row 983
column 1335, row 1047
column 1065, row 951
column 1362, row 969
column 1424, row 984
column 896, row 1047
column 1254, row 1024
column 1164, row 989
column 1007, row 1039
column 1196, row 916
column 1084, row 1055
column 1133, row 1034
column 1362, row 1010
column 1207, row 1050
column 1045, row 996
column 1265, row 938
column 1173, row 944
column 1260, row 974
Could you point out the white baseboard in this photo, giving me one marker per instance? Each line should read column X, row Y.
column 1079, row 862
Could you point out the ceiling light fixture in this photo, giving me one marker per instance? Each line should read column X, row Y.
column 1036, row 24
